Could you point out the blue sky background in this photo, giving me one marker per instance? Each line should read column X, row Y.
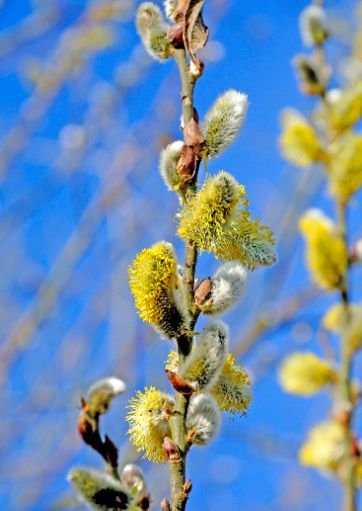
column 81, row 195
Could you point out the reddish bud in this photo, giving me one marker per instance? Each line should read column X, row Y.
column 171, row 450
column 187, row 164
column 175, row 35
column 179, row 384
column 110, row 452
column 165, row 505
column 192, row 134
column 203, row 291
column 86, row 428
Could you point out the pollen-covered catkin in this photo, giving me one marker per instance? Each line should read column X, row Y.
column 223, row 122
column 100, row 490
column 299, row 142
column 148, row 420
column 153, row 30
column 202, row 420
column 232, row 390
column 326, row 253
column 217, row 220
column 152, row 279
column 204, row 365
column 345, row 169
column 228, row 285
column 346, row 110
column 305, row 374
column 324, row 447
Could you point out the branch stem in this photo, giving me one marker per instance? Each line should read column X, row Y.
column 179, row 494
column 346, row 375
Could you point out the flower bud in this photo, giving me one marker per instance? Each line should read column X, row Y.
column 186, row 165
column 179, row 384
column 192, row 134
column 171, row 450
column 202, row 292
column 175, row 35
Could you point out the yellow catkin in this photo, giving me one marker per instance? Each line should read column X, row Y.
column 299, row 142
column 324, row 447
column 217, row 220
column 148, row 419
column 305, row 374
column 326, row 252
column 346, row 111
column 345, row 170
column 231, row 390
column 152, row 279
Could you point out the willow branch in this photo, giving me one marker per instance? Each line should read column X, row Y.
column 179, row 487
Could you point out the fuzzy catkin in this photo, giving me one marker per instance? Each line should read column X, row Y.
column 202, row 420
column 228, row 285
column 152, row 278
column 223, row 122
column 305, row 374
column 299, row 142
column 148, row 422
column 217, row 220
column 205, row 363
column 326, row 252
column 100, row 490
column 168, row 165
column 153, row 30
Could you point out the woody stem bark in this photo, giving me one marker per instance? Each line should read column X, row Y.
column 179, row 487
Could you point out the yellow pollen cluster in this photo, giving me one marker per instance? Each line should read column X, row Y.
column 347, row 110
column 346, row 168
column 299, row 142
column 152, row 279
column 327, row 255
column 324, row 447
column 305, row 374
column 232, row 389
column 148, row 420
column 217, row 220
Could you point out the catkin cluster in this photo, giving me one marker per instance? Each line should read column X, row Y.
column 214, row 217
column 330, row 139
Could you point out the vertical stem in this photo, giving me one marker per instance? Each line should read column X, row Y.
column 346, row 370
column 179, row 492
